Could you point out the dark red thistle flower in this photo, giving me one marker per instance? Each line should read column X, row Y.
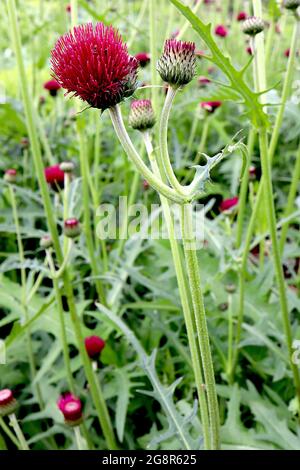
column 55, row 177
column 227, row 204
column 287, row 52
column 8, row 403
column 242, row 16
column 249, row 50
column 221, row 31
column 143, row 58
column 94, row 345
column 92, row 62
column 52, row 86
column 203, row 80
column 71, row 408
column 68, row 8
column 210, row 106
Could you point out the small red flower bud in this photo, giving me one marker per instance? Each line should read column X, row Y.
column 146, row 185
column 228, row 204
column 221, row 31
column 71, row 408
column 52, row 86
column 203, row 80
column 8, row 403
column 46, row 241
column 287, row 52
column 25, row 142
column 143, row 58
column 72, row 228
column 10, row 176
column 141, row 115
column 94, row 345
column 210, row 106
column 249, row 50
column 92, row 62
column 55, row 177
column 242, row 16
column 68, row 8
column 176, row 66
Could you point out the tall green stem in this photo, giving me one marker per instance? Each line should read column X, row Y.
column 271, row 152
column 276, row 255
column 128, row 147
column 189, row 244
column 291, row 200
column 153, row 51
column 184, row 296
column 244, row 189
column 102, row 412
column 24, row 294
column 18, row 431
column 61, row 314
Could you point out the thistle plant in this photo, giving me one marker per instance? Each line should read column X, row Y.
column 93, row 64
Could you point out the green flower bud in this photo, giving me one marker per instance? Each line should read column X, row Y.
column 141, row 115
column 177, row 63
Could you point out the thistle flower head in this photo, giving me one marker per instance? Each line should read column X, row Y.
column 228, row 204
column 67, row 167
column 10, row 175
column 242, row 16
column 141, row 115
column 46, row 241
column 221, row 31
column 210, row 106
column 72, row 228
column 92, row 62
column 71, row 408
column 253, row 25
column 291, row 4
column 143, row 58
column 54, row 177
column 176, row 66
column 8, row 403
column 52, row 86
column 94, row 346
column 249, row 50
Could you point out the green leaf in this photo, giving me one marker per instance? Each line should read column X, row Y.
column 235, row 77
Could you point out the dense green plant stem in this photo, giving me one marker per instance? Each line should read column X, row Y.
column 244, row 189
column 127, row 145
column 286, row 88
column 153, row 52
column 291, row 200
column 87, row 214
column 163, row 139
column 78, row 438
column 189, row 243
column 254, row 215
column 36, row 152
column 9, row 434
column 276, row 255
column 95, row 389
column 184, row 296
column 24, row 293
column 18, row 431
column 61, row 317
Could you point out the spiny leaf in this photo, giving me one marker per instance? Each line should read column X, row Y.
column 235, row 77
